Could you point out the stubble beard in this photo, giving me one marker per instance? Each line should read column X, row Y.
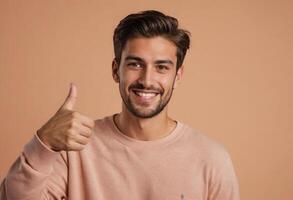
column 147, row 113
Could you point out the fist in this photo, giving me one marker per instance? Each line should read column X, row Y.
column 67, row 130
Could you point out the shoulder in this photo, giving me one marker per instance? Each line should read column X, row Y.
column 204, row 146
column 216, row 163
column 103, row 123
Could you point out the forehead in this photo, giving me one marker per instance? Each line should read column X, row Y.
column 150, row 48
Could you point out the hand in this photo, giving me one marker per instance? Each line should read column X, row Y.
column 67, row 130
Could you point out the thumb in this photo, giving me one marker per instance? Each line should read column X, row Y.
column 70, row 99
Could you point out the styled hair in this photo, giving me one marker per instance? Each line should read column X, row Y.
column 151, row 23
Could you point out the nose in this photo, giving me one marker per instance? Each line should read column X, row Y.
column 146, row 77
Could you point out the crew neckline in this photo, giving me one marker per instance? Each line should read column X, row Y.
column 129, row 141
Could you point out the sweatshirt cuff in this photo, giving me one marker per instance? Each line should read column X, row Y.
column 39, row 156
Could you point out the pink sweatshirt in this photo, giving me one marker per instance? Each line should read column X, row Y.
column 184, row 165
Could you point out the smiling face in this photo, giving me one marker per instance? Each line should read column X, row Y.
column 147, row 75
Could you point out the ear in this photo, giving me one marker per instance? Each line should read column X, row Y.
column 115, row 70
column 178, row 77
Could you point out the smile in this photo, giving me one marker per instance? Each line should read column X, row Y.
column 145, row 94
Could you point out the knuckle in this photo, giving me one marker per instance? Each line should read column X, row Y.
column 75, row 114
column 73, row 124
column 71, row 134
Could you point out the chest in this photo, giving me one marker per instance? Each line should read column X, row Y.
column 127, row 174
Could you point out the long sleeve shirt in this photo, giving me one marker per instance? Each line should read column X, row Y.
column 183, row 165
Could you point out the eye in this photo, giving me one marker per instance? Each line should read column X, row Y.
column 162, row 68
column 134, row 64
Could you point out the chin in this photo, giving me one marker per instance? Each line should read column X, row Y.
column 145, row 113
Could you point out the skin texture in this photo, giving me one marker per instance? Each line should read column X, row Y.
column 147, row 65
column 67, row 130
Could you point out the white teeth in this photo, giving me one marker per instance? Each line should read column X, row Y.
column 143, row 94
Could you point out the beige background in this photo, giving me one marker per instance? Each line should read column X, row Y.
column 237, row 86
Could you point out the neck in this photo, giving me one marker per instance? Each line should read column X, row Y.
column 144, row 128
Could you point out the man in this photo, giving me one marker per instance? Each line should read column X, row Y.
column 140, row 153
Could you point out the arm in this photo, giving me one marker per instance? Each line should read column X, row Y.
column 38, row 173
column 223, row 182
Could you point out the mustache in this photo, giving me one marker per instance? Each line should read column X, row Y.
column 142, row 87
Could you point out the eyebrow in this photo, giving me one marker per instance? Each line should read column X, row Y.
column 134, row 58
column 167, row 61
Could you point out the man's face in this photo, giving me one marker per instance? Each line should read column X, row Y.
column 147, row 75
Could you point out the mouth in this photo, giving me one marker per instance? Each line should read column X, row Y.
column 145, row 94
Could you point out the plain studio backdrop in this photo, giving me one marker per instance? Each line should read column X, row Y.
column 236, row 88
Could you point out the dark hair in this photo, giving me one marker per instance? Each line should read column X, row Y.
column 149, row 24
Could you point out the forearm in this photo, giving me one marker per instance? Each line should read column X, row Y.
column 38, row 173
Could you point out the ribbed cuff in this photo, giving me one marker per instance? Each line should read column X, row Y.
column 39, row 156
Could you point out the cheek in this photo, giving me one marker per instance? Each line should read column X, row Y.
column 167, row 83
column 128, row 78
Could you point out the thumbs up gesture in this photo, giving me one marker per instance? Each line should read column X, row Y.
column 67, row 130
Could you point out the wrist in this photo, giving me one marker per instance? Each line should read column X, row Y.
column 42, row 137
